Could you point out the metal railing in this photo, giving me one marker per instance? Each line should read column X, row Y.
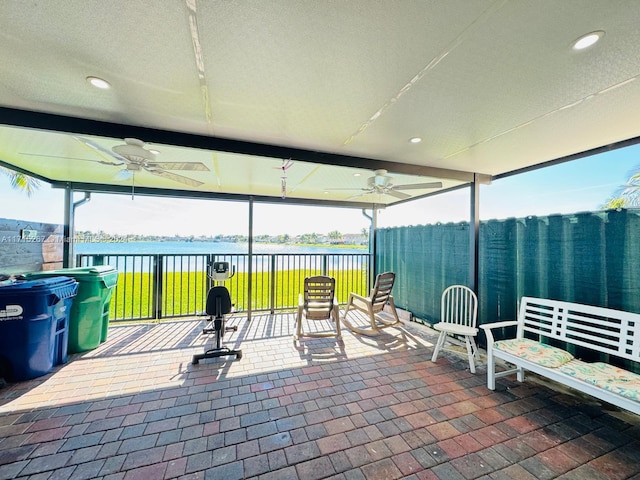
column 153, row 287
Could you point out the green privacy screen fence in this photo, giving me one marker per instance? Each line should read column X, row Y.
column 426, row 259
column 591, row 258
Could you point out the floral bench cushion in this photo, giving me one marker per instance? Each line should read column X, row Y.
column 535, row 352
column 605, row 376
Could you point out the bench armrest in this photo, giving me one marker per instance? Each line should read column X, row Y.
column 508, row 323
column 487, row 327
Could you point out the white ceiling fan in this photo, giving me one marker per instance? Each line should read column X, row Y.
column 382, row 183
column 135, row 158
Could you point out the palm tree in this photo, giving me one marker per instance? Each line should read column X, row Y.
column 629, row 195
column 284, row 238
column 20, row 181
column 335, row 236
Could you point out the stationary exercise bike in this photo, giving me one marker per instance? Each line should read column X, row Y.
column 218, row 306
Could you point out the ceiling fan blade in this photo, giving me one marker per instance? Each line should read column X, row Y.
column 101, row 150
column 418, row 186
column 399, row 195
column 103, row 162
column 358, row 195
column 190, row 166
column 174, row 176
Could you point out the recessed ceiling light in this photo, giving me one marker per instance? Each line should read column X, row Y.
column 415, row 140
column 356, row 174
column 585, row 41
column 99, row 83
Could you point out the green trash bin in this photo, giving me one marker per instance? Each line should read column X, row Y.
column 89, row 317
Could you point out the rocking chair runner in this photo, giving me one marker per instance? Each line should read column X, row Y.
column 373, row 306
column 318, row 302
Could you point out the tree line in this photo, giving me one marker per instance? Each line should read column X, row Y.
column 333, row 237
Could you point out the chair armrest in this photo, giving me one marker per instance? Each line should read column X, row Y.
column 358, row 297
column 359, row 302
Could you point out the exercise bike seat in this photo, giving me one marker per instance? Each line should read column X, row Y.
column 218, row 301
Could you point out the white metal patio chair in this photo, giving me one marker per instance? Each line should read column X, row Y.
column 459, row 315
column 318, row 303
column 378, row 306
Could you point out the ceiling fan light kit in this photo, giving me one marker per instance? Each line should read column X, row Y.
column 123, row 175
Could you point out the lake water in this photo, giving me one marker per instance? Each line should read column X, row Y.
column 190, row 256
column 194, row 248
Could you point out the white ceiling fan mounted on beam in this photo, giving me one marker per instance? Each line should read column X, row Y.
column 382, row 183
column 137, row 158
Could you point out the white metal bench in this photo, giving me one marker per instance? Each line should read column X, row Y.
column 542, row 321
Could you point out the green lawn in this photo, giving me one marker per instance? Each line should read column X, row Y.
column 184, row 293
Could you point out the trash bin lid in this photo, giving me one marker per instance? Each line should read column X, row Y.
column 105, row 273
column 95, row 270
column 56, row 285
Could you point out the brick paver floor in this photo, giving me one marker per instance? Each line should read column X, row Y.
column 372, row 408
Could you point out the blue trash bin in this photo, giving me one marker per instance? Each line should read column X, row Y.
column 34, row 326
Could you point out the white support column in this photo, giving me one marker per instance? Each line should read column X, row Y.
column 474, row 230
column 250, row 265
column 69, row 228
column 68, row 254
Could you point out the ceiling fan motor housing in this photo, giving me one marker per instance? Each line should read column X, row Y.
column 134, row 151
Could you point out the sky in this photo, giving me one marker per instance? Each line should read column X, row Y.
column 576, row 186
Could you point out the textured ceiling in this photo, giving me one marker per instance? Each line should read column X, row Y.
column 490, row 86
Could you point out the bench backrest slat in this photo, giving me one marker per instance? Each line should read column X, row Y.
column 601, row 329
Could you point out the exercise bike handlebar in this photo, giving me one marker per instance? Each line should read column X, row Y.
column 219, row 271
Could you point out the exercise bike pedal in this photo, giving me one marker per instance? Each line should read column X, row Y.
column 213, row 330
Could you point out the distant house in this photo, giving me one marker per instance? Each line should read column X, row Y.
column 354, row 239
